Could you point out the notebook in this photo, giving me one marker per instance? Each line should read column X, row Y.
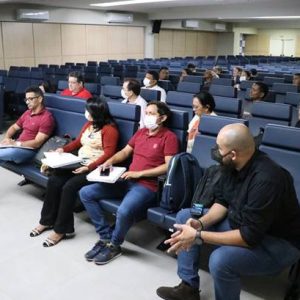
column 113, row 176
column 57, row 160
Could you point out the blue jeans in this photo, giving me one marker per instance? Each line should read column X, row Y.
column 16, row 155
column 228, row 263
column 136, row 200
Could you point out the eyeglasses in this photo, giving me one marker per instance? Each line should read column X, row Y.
column 30, row 99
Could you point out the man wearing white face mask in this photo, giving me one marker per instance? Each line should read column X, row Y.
column 131, row 94
column 151, row 149
column 150, row 82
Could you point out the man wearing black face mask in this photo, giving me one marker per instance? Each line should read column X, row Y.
column 255, row 222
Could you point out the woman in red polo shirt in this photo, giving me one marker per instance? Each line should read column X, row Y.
column 96, row 143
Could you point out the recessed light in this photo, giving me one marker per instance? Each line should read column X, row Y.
column 128, row 2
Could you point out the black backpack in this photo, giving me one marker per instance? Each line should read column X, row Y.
column 182, row 178
column 204, row 193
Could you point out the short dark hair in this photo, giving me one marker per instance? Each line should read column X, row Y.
column 154, row 74
column 188, row 71
column 296, row 74
column 206, row 100
column 133, row 85
column 190, row 65
column 253, row 72
column 99, row 111
column 248, row 73
column 36, row 90
column 164, row 68
column 48, row 86
column 77, row 75
column 263, row 88
column 162, row 109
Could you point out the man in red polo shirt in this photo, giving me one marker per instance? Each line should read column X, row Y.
column 76, row 87
column 36, row 124
column 151, row 149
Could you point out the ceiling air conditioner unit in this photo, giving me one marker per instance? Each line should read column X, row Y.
column 190, row 24
column 113, row 17
column 32, row 15
column 220, row 27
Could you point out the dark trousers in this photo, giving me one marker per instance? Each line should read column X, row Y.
column 61, row 194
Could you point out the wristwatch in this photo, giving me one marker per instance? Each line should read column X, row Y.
column 198, row 238
column 18, row 144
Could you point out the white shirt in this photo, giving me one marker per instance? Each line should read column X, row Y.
column 143, row 104
column 163, row 94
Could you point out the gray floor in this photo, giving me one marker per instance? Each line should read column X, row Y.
column 28, row 271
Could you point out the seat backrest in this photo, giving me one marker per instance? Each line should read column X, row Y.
column 112, row 91
column 209, row 128
column 264, row 113
column 93, row 88
column 193, row 78
column 62, row 84
column 22, row 85
column 230, row 107
column 292, row 99
column 283, row 88
column 150, row 95
column 181, row 101
column 271, row 80
column 127, row 118
column 178, row 123
column 282, row 144
column 246, row 84
column 109, row 80
column 188, row 87
column 222, row 81
column 222, row 90
column 68, row 113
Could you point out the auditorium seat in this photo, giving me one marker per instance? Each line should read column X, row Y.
column 193, row 78
column 150, row 95
column 230, row 107
column 188, row 87
column 222, row 90
column 112, row 92
column 222, row 81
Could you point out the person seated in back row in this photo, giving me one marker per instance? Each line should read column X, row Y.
column 203, row 104
column 131, row 93
column 150, row 82
column 36, row 125
column 96, row 142
column 163, row 73
column 254, row 222
column 76, row 87
column 151, row 149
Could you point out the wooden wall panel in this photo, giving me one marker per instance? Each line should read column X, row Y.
column 263, row 44
column 165, row 43
column 191, row 43
column 47, row 40
column 178, row 45
column 1, row 44
column 251, row 44
column 73, row 40
column 18, row 44
column 55, row 60
column 117, row 42
column 135, row 42
column 297, row 46
column 96, row 40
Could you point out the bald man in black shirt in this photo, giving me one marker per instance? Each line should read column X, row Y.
column 255, row 221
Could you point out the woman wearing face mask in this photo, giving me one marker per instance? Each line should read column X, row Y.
column 96, row 143
column 203, row 104
column 131, row 93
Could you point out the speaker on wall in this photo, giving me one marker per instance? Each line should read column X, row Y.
column 156, row 26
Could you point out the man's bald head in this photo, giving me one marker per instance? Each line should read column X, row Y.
column 236, row 136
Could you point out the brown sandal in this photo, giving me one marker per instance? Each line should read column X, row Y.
column 35, row 232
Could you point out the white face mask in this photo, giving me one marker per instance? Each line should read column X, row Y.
column 146, row 82
column 150, row 122
column 123, row 94
column 242, row 78
column 87, row 115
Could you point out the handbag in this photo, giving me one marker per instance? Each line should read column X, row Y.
column 52, row 143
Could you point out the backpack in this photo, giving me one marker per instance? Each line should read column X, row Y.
column 182, row 178
column 204, row 193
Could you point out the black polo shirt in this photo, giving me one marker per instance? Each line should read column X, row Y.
column 261, row 200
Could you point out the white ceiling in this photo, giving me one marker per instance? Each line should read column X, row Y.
column 202, row 9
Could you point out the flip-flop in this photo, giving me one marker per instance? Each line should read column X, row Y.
column 35, row 232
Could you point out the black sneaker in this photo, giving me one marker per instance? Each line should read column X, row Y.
column 100, row 245
column 107, row 254
column 179, row 292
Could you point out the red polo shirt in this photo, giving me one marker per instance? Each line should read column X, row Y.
column 32, row 124
column 83, row 93
column 149, row 152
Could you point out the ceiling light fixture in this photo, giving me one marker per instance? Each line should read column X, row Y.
column 276, row 17
column 128, row 2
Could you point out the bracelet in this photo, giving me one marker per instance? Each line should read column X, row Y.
column 202, row 226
